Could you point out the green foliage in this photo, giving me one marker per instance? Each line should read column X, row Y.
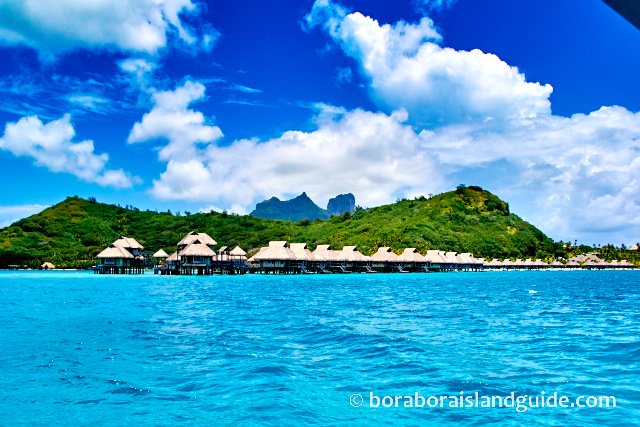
column 468, row 219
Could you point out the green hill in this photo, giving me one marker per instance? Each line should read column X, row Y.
column 470, row 219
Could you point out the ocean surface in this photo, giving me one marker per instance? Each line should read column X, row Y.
column 83, row 349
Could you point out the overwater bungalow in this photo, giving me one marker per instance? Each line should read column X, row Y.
column 494, row 264
column 593, row 265
column 124, row 256
column 384, row 260
column 222, row 254
column 323, row 258
column 626, row 264
column 349, row 259
column 275, row 258
column 572, row 264
column 47, row 266
column 412, row 260
column 556, row 264
column 172, row 265
column 159, row 257
column 451, row 261
column 238, row 254
column 196, row 258
column 203, row 238
column 304, row 259
column 435, row 259
column 467, row 262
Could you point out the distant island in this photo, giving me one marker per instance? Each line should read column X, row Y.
column 468, row 219
column 302, row 207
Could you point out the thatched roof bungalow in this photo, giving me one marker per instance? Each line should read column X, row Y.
column 276, row 256
column 202, row 238
column 556, row 264
column 238, row 253
column 128, row 243
column 384, row 255
column 349, row 254
column 47, row 266
column 196, row 253
column 435, row 259
column 411, row 255
column 118, row 260
column 301, row 253
column 161, row 254
column 572, row 264
column 325, row 253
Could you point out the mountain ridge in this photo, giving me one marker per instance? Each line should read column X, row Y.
column 296, row 209
column 470, row 219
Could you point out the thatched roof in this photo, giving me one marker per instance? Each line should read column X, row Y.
column 172, row 257
column 324, row 253
column 410, row 255
column 452, row 258
column 128, row 243
column 160, row 254
column 349, row 253
column 47, row 266
column 197, row 248
column 301, row 252
column 384, row 254
column 115, row 252
column 238, row 252
column 276, row 251
column 435, row 257
column 467, row 259
column 204, row 238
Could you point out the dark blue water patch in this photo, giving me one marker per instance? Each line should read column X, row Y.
column 80, row 349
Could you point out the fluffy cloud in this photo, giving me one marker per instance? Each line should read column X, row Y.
column 173, row 121
column 373, row 155
column 128, row 25
column 51, row 146
column 407, row 68
column 570, row 176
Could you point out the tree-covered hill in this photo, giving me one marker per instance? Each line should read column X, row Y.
column 469, row 219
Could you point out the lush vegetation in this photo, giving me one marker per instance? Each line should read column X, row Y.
column 468, row 219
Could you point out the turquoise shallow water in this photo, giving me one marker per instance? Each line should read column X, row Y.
column 79, row 349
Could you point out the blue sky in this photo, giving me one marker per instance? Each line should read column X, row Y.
column 191, row 105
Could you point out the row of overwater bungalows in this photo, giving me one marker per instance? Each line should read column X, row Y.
column 281, row 257
column 196, row 255
column 584, row 262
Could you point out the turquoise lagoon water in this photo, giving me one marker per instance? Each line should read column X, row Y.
column 79, row 349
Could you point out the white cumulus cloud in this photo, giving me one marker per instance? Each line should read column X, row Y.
column 374, row 155
column 572, row 176
column 52, row 27
column 408, row 68
column 173, row 121
column 51, row 145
